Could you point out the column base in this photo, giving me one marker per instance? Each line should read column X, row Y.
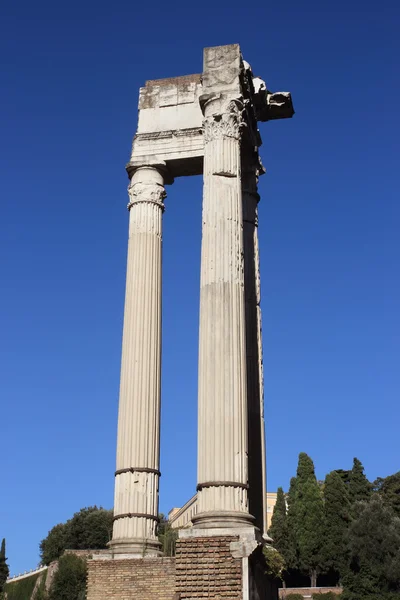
column 134, row 548
column 222, row 519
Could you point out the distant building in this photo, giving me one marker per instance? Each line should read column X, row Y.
column 182, row 517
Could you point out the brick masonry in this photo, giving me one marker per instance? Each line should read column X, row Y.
column 131, row 579
column 205, row 568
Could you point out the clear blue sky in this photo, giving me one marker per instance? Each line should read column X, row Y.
column 329, row 235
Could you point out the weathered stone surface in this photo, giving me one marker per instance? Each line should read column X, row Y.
column 251, row 169
column 222, row 420
column 138, row 446
column 170, row 125
column 205, row 568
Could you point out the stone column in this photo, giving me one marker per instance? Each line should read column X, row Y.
column 222, row 419
column 138, row 444
column 251, row 168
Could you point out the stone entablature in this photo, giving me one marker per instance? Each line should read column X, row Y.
column 170, row 126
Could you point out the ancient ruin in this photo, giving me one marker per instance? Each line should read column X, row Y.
column 197, row 124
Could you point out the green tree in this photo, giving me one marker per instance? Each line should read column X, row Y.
column 292, row 559
column 337, row 519
column 4, row 570
column 69, row 582
column 374, row 545
column 389, row 490
column 344, row 475
column 90, row 528
column 279, row 531
column 52, row 546
column 308, row 518
column 360, row 488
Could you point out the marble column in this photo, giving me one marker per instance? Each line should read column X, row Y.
column 222, row 418
column 138, row 442
column 251, row 168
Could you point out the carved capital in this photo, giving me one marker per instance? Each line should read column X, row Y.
column 153, row 193
column 226, row 124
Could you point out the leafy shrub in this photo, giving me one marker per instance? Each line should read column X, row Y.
column 294, row 597
column 167, row 536
column 326, row 596
column 275, row 563
column 69, row 581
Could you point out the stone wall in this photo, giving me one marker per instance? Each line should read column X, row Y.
column 308, row 592
column 205, row 568
column 131, row 579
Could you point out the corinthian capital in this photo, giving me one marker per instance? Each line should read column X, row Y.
column 150, row 192
column 223, row 120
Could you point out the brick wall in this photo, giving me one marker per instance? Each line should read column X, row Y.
column 131, row 579
column 205, row 568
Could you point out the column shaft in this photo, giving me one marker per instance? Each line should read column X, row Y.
column 138, row 444
column 222, row 421
column 255, row 382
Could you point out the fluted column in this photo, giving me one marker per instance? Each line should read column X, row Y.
column 255, row 381
column 138, row 443
column 222, row 420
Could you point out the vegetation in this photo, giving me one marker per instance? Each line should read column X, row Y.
column 279, row 531
column 346, row 530
column 22, row 589
column 337, row 519
column 374, row 547
column 326, row 596
column 274, row 561
column 69, row 581
column 308, row 518
column 389, row 490
column 41, row 590
column 167, row 536
column 360, row 488
column 294, row 597
column 89, row 528
column 4, row 570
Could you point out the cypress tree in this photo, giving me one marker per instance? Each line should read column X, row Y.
column 293, row 559
column 344, row 475
column 279, row 526
column 337, row 519
column 360, row 488
column 4, row 570
column 279, row 531
column 308, row 518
